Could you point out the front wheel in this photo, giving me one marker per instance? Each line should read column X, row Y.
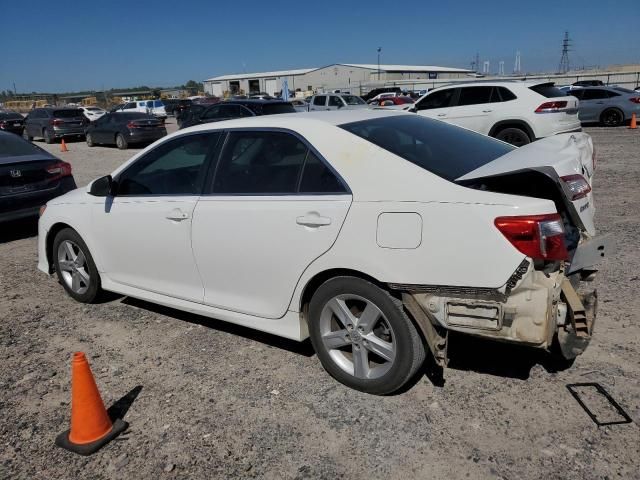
column 514, row 136
column 89, row 140
column 363, row 337
column 47, row 137
column 611, row 117
column 121, row 142
column 75, row 267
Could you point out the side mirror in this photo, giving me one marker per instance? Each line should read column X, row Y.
column 412, row 110
column 340, row 105
column 102, row 187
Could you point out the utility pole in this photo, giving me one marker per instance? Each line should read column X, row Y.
column 477, row 62
column 379, row 50
column 501, row 68
column 564, row 59
column 516, row 67
column 15, row 92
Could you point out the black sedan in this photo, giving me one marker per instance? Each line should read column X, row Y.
column 11, row 122
column 29, row 177
column 123, row 129
column 238, row 109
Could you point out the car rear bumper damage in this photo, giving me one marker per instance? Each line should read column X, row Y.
column 534, row 308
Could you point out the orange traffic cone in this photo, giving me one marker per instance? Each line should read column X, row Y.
column 633, row 125
column 63, row 146
column 91, row 427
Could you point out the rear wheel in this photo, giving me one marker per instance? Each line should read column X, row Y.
column 89, row 140
column 27, row 136
column 75, row 267
column 363, row 337
column 611, row 117
column 47, row 136
column 514, row 136
column 121, row 142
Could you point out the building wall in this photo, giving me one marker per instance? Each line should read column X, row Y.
column 335, row 77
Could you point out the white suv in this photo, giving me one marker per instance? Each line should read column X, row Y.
column 517, row 112
column 151, row 107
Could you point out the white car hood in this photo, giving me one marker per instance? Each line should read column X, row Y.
column 567, row 154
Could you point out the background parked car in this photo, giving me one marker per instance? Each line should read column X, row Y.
column 92, row 113
column 588, row 83
column 173, row 105
column 123, row 129
column 152, row 107
column 513, row 111
column 29, row 177
column 11, row 122
column 238, row 109
column 394, row 103
column 190, row 113
column 336, row 101
column 117, row 107
column 609, row 106
column 299, row 105
column 53, row 123
column 376, row 91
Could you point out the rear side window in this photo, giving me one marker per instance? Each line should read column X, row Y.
column 548, row 90
column 474, row 95
column 440, row 148
column 13, row 146
column 318, row 178
column 275, row 108
column 502, row 94
column 158, row 104
column 440, row 99
column 320, row 100
column 67, row 113
column 595, row 94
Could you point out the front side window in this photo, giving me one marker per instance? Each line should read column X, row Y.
column 441, row 99
column 353, row 100
column 474, row 96
column 595, row 94
column 335, row 101
column 211, row 113
column 320, row 100
column 129, row 106
column 176, row 167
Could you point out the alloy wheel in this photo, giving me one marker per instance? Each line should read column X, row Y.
column 612, row 118
column 357, row 336
column 73, row 266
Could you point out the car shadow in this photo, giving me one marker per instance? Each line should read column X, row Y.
column 18, row 230
column 301, row 348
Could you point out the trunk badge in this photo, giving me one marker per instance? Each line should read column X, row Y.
column 15, row 173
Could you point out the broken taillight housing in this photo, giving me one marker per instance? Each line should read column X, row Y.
column 537, row 236
column 60, row 169
column 577, row 185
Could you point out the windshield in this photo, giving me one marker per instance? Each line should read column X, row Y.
column 274, row 108
column 12, row 145
column 67, row 113
column 94, row 109
column 445, row 150
column 353, row 100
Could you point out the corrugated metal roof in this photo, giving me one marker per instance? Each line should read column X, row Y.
column 405, row 68
column 280, row 73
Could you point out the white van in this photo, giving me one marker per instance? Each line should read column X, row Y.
column 152, row 107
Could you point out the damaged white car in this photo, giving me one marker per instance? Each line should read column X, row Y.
column 374, row 233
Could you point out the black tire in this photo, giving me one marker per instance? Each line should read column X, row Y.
column 27, row 136
column 93, row 288
column 400, row 332
column 611, row 117
column 89, row 140
column 47, row 138
column 514, row 136
column 121, row 142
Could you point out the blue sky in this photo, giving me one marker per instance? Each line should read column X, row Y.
column 64, row 45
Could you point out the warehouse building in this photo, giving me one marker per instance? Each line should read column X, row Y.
column 356, row 78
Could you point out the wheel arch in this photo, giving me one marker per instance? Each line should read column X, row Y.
column 51, row 236
column 521, row 124
column 612, row 107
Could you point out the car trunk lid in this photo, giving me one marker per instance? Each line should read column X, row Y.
column 28, row 175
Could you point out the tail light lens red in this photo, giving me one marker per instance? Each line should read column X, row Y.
column 3, row 125
column 635, row 99
column 131, row 125
column 60, row 169
column 56, row 122
column 577, row 185
column 537, row 236
column 550, row 107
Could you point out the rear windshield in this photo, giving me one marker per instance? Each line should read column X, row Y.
column 12, row 145
column 548, row 90
column 273, row 108
column 353, row 100
column 94, row 109
column 447, row 151
column 67, row 113
column 10, row 116
column 133, row 116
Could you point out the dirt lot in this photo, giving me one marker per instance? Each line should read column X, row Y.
column 218, row 401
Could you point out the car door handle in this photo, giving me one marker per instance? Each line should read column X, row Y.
column 177, row 215
column 487, row 111
column 312, row 220
column 442, row 115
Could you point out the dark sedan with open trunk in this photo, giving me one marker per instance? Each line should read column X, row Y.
column 29, row 177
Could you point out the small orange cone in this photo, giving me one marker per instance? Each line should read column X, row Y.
column 63, row 146
column 633, row 125
column 91, row 427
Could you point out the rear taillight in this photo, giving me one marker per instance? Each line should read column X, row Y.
column 577, row 185
column 537, row 236
column 60, row 169
column 3, row 125
column 56, row 122
column 131, row 125
column 635, row 99
column 550, row 107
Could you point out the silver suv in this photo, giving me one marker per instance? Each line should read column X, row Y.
column 336, row 101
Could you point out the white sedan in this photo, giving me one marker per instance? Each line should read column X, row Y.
column 92, row 113
column 374, row 233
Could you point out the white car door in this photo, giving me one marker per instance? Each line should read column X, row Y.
column 318, row 102
column 145, row 229
column 274, row 208
column 436, row 104
column 473, row 109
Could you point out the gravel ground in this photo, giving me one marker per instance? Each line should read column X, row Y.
column 211, row 400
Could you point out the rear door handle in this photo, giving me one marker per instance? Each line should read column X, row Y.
column 487, row 111
column 177, row 215
column 442, row 115
column 311, row 220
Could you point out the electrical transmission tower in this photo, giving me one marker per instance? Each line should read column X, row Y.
column 501, row 68
column 564, row 60
column 516, row 65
